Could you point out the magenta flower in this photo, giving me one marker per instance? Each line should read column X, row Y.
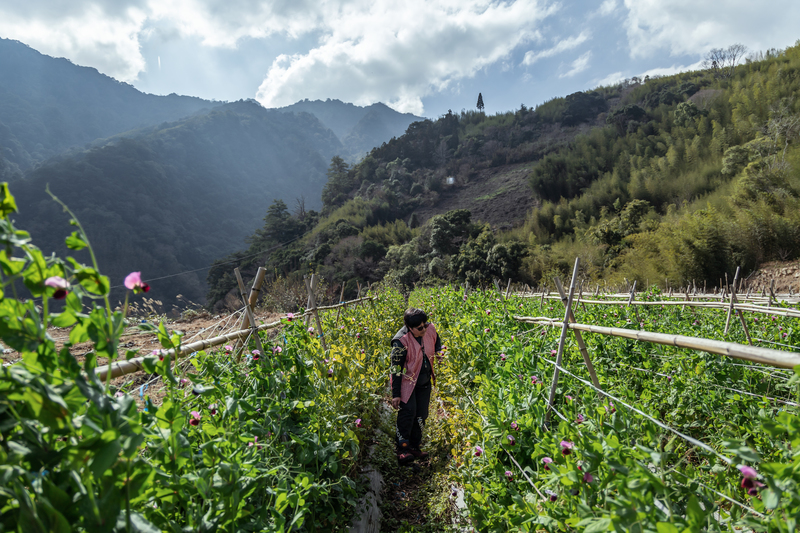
column 133, row 281
column 119, row 394
column 514, row 426
column 568, row 397
column 228, row 348
column 534, row 380
column 748, row 472
column 358, row 422
column 566, row 447
column 254, row 443
column 59, row 284
column 486, row 330
column 478, row 451
column 580, row 419
column 277, row 349
column 256, row 355
column 195, row 420
column 289, row 316
column 611, row 407
column 587, row 477
column 511, row 440
column 512, row 338
column 488, row 312
column 547, row 461
column 502, row 357
column 551, row 495
column 330, row 372
column 509, row 475
column 311, row 329
column 553, row 353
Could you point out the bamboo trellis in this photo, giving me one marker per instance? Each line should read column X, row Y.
column 121, row 368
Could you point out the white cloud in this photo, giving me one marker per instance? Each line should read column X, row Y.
column 569, row 43
column 579, row 65
column 607, row 7
column 103, row 36
column 400, row 52
column 674, row 69
column 692, row 27
column 611, row 79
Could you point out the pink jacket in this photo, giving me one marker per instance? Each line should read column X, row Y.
column 414, row 360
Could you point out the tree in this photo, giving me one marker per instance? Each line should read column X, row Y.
column 722, row 61
column 339, row 184
column 479, row 105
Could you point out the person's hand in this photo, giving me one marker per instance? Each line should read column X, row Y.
column 395, row 403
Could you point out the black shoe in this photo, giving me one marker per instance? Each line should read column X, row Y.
column 404, row 458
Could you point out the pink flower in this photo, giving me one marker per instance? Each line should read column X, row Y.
column 547, row 461
column 509, row 475
column 512, row 338
column 534, row 380
column 580, row 419
column 358, row 422
column 587, row 477
column 553, row 353
column 195, row 420
column 133, row 281
column 311, row 329
column 119, row 394
column 748, row 472
column 566, row 447
column 228, row 348
column 277, row 349
column 478, row 451
column 514, row 426
column 59, row 284
column 254, row 443
column 289, row 316
column 330, row 372
column 488, row 312
column 502, row 357
column 568, row 397
column 486, row 330
column 256, row 353
column 511, row 440
column 612, row 408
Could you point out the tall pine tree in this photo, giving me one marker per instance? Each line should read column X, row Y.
column 480, row 102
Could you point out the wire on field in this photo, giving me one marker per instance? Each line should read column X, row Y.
column 660, row 424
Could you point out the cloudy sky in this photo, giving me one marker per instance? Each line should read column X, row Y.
column 418, row 56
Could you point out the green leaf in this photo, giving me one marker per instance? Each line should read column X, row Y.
column 771, row 498
column 105, row 457
column 75, row 241
column 7, row 203
column 63, row 320
column 595, row 525
column 140, row 524
column 666, row 527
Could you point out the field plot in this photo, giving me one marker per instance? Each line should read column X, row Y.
column 275, row 438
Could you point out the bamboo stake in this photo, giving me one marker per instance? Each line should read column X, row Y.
column 310, row 289
column 733, row 297
column 255, row 290
column 250, row 316
column 562, row 341
column 578, row 337
column 339, row 311
column 630, row 301
column 767, row 356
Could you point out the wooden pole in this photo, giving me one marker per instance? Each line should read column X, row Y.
column 630, row 301
column 341, row 300
column 562, row 341
column 578, row 337
column 249, row 312
column 255, row 291
column 508, row 288
column 310, row 289
column 733, row 297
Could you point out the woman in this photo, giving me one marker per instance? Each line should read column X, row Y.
column 413, row 348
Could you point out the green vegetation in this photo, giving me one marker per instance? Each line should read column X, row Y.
column 679, row 178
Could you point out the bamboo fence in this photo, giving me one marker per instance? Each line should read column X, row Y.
column 121, row 368
column 767, row 356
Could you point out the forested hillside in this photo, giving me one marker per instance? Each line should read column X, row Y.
column 176, row 197
column 48, row 105
column 674, row 178
column 358, row 128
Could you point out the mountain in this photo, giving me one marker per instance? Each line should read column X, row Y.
column 49, row 105
column 671, row 180
column 174, row 197
column 360, row 129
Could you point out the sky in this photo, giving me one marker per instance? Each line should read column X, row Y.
column 417, row 56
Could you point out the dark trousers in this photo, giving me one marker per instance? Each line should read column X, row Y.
column 412, row 416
